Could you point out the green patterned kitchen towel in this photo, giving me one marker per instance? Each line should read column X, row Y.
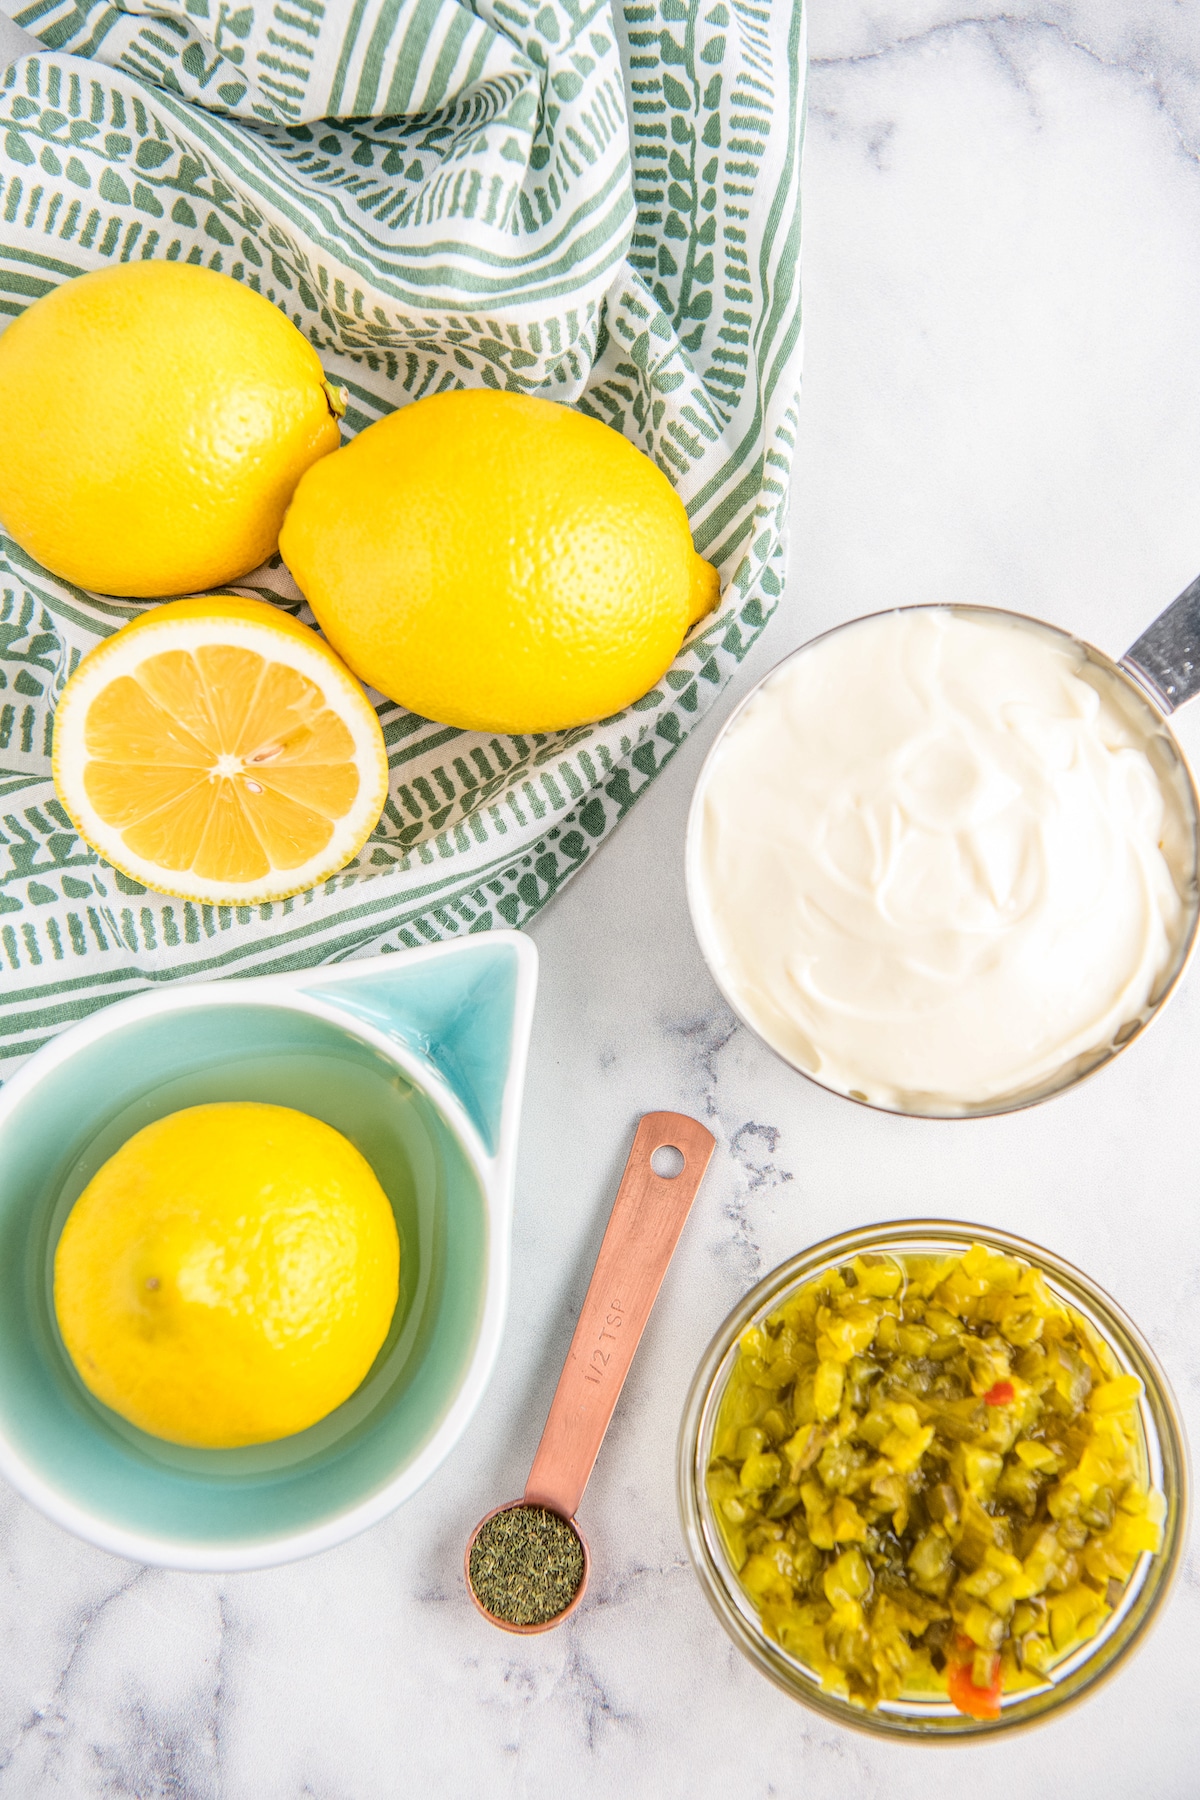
column 593, row 202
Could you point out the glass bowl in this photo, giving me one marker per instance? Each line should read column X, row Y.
column 936, row 1720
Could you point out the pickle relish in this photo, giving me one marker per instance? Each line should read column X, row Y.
column 930, row 1476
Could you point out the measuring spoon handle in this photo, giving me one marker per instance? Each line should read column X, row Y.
column 647, row 1217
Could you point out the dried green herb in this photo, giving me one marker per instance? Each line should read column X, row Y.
column 526, row 1565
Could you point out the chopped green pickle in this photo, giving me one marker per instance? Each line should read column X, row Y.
column 931, row 1478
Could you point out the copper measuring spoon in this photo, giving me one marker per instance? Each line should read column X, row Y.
column 648, row 1215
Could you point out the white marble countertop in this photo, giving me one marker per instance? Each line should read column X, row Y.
column 1002, row 404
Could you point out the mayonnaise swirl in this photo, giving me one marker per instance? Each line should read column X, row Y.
column 934, row 863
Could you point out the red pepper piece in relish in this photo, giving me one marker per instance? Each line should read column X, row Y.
column 976, row 1702
column 1001, row 1393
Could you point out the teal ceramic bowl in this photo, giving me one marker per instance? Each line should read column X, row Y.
column 419, row 1060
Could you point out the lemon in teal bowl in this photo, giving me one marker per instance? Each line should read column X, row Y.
column 416, row 1062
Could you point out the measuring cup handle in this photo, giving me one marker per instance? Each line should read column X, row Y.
column 1166, row 658
column 647, row 1217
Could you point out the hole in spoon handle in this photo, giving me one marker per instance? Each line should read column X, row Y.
column 647, row 1217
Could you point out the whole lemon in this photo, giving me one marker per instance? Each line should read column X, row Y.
column 498, row 562
column 154, row 421
column 229, row 1276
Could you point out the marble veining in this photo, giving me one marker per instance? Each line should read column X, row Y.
column 1002, row 404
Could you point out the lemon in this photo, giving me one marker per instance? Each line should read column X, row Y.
column 229, row 1276
column 498, row 562
column 217, row 749
column 154, row 421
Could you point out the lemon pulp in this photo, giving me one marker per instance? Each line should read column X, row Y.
column 228, row 1276
column 217, row 749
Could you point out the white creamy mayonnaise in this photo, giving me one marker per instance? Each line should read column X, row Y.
column 933, row 863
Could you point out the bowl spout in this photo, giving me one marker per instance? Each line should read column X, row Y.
column 464, row 1009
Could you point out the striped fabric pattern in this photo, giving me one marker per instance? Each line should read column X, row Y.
column 592, row 203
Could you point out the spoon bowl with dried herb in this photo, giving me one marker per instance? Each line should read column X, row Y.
column 526, row 1567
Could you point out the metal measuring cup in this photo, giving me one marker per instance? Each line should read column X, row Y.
column 1156, row 676
column 648, row 1215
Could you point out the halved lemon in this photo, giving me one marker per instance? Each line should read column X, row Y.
column 216, row 749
